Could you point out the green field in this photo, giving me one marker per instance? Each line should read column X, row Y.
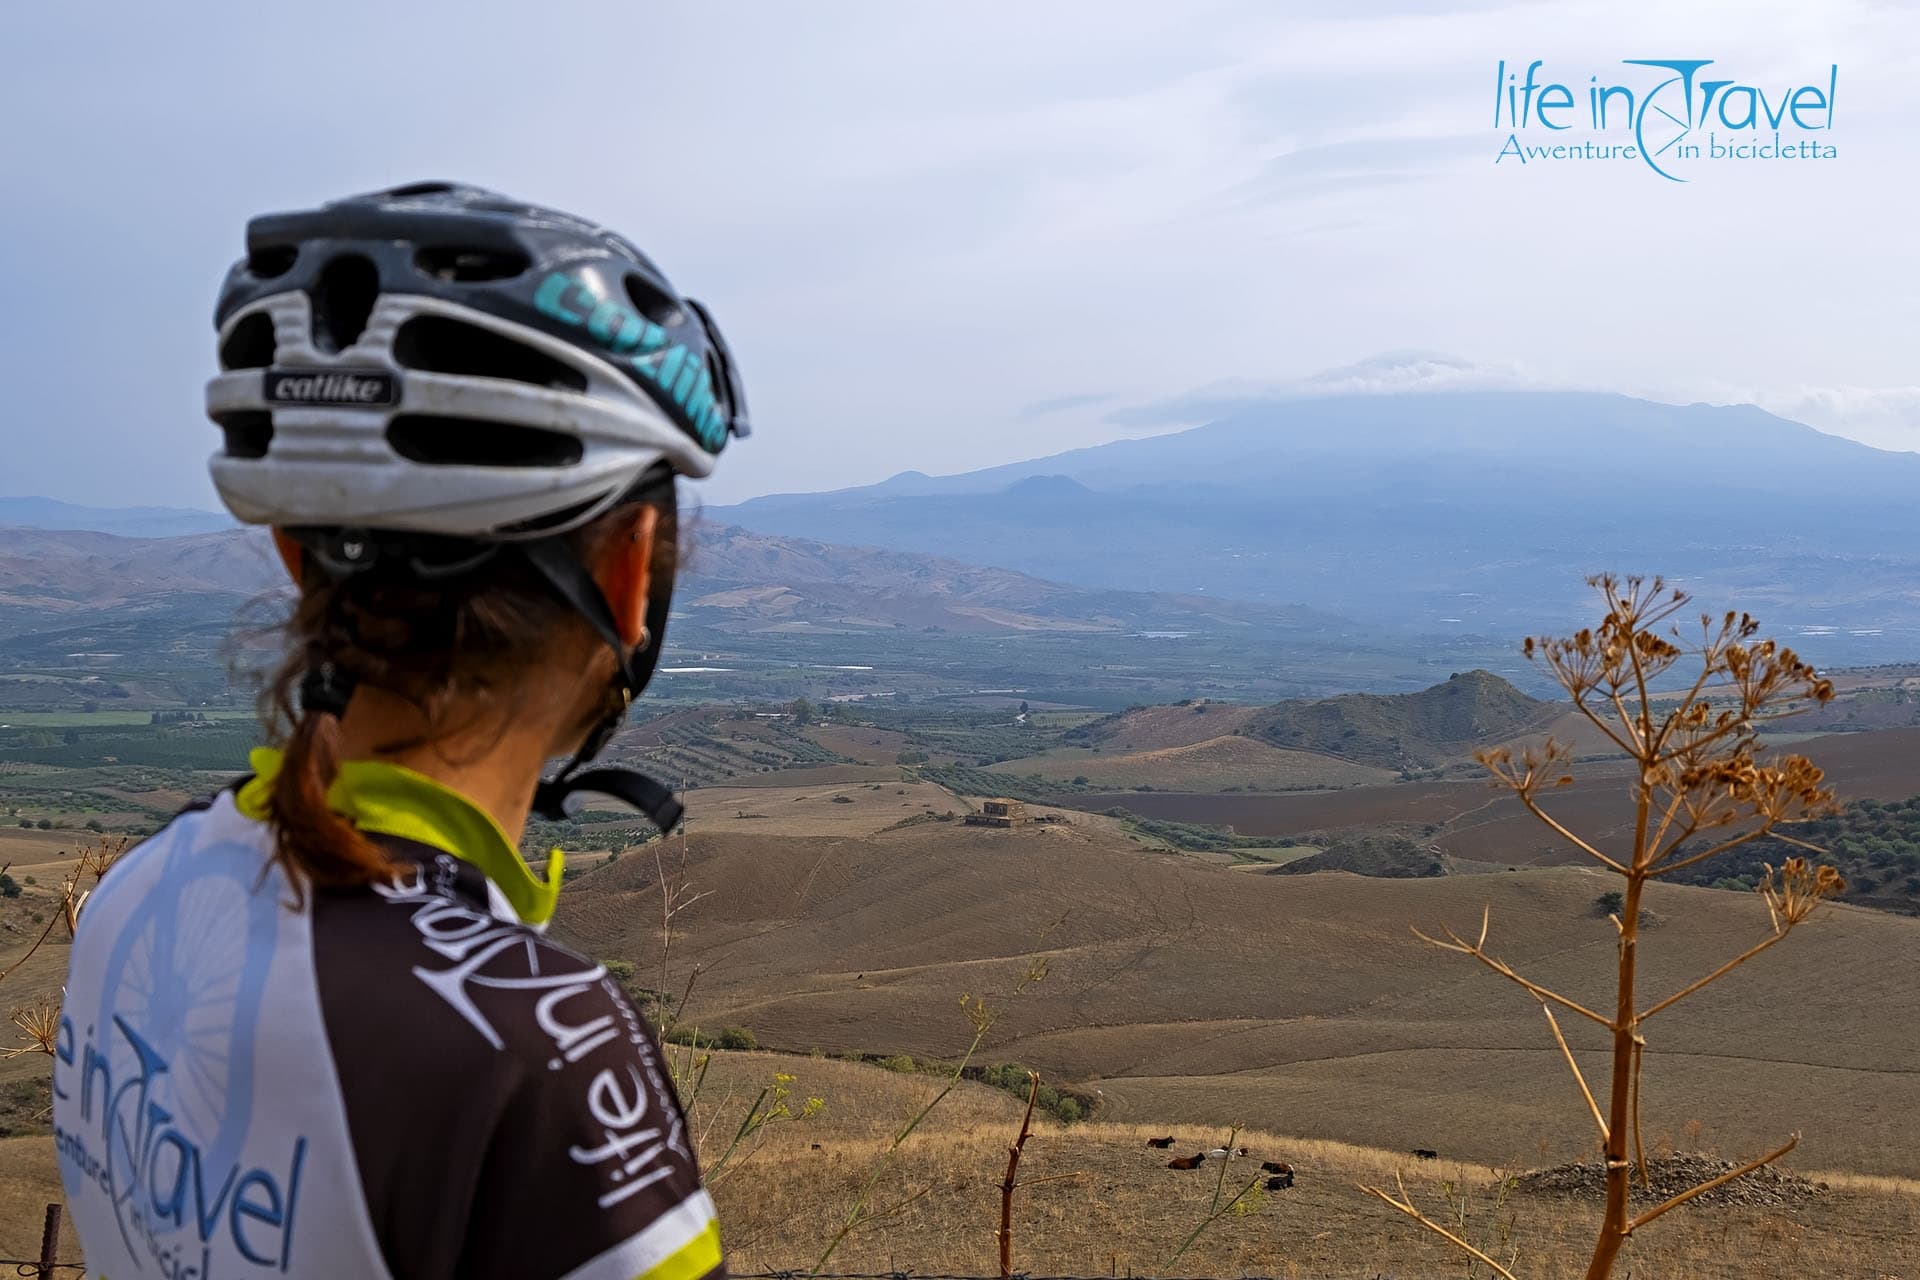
column 102, row 719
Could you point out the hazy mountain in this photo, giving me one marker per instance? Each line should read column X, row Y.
column 73, row 571
column 132, row 522
column 740, row 579
column 1450, row 512
column 735, row 580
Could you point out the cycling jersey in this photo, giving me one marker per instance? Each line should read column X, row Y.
column 405, row 1080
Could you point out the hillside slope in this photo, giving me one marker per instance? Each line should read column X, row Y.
column 1405, row 730
column 1297, row 1003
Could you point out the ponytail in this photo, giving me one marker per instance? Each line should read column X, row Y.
column 310, row 839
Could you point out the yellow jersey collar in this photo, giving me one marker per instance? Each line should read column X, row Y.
column 386, row 799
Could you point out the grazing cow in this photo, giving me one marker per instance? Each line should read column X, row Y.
column 1186, row 1162
column 1421, row 1153
column 1161, row 1143
column 1275, row 1166
column 1280, row 1181
column 816, row 1146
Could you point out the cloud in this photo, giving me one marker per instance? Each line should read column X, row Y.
column 1389, row 373
column 927, row 240
column 1060, row 404
column 1885, row 417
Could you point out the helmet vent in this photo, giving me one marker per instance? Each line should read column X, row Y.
column 436, row 344
column 250, row 345
column 555, row 519
column 460, row 264
column 248, row 432
column 477, row 442
column 419, row 189
column 653, row 302
column 343, row 298
column 269, row 260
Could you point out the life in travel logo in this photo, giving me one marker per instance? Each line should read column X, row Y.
column 1676, row 116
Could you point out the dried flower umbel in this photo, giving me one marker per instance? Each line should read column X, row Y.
column 1700, row 787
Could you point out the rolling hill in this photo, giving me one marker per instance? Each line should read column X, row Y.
column 1406, row 730
column 1186, row 991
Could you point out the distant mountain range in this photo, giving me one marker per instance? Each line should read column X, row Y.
column 131, row 522
column 1450, row 512
column 1462, row 518
column 736, row 581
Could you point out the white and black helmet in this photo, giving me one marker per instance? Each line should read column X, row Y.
column 423, row 378
column 444, row 360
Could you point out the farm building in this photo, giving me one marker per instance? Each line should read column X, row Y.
column 1000, row 813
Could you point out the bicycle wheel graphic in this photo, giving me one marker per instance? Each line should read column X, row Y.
column 187, row 975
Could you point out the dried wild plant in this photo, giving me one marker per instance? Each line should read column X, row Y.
column 1700, row 787
column 41, row 1021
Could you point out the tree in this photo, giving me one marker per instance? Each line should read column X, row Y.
column 1697, row 773
column 801, row 710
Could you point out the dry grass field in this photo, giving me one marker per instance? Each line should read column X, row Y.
column 1109, row 1205
column 1191, row 998
column 865, row 743
column 1157, row 728
column 1212, row 764
column 1480, row 823
column 1098, row 1201
column 1298, row 1004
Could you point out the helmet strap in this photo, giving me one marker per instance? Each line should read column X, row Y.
column 564, row 572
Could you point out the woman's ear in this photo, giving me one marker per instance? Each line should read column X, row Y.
column 292, row 554
column 625, row 573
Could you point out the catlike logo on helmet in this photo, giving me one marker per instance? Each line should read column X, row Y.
column 348, row 387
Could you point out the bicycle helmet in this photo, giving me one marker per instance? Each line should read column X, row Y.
column 435, row 374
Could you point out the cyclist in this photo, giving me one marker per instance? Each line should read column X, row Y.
column 312, row 1027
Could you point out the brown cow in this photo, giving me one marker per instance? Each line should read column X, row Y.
column 1162, row 1143
column 1187, row 1162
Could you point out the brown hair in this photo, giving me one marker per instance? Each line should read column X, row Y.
column 450, row 646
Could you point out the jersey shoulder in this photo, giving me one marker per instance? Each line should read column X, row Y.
column 472, row 1044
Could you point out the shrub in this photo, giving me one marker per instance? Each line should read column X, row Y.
column 45, row 824
column 93, row 824
column 734, row 1038
column 1610, row 902
column 9, row 887
column 900, row 1062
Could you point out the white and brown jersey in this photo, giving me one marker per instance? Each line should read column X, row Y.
column 400, row 1081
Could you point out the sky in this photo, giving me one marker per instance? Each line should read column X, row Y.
column 942, row 236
